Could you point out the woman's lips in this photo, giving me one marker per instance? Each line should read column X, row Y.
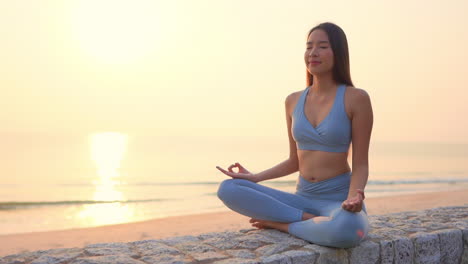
column 314, row 62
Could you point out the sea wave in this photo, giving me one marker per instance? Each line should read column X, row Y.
column 14, row 205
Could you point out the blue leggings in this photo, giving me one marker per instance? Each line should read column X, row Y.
column 324, row 198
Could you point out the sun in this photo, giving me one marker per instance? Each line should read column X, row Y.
column 115, row 31
column 107, row 151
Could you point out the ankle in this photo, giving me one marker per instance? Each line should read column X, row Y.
column 306, row 216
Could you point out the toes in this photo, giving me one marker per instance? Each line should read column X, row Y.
column 258, row 225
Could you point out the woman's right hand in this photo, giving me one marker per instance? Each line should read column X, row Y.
column 242, row 173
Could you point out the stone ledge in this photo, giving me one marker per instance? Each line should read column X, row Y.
column 438, row 235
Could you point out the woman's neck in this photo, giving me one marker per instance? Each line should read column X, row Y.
column 323, row 85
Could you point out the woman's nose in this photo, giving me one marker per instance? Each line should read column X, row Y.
column 313, row 53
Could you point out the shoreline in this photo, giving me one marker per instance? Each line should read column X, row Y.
column 201, row 223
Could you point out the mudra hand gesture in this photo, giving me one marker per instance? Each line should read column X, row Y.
column 354, row 204
column 242, row 173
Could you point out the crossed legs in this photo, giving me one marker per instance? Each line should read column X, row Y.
column 264, row 203
column 322, row 222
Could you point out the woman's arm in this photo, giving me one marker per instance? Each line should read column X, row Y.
column 291, row 164
column 362, row 121
column 284, row 168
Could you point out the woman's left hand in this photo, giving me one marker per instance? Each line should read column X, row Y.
column 354, row 204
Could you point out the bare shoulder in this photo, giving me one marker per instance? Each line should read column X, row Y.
column 357, row 100
column 292, row 98
column 357, row 95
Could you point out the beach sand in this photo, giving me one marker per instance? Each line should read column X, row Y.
column 202, row 223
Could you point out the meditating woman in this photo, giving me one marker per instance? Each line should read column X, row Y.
column 322, row 120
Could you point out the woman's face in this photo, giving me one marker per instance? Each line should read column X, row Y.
column 319, row 54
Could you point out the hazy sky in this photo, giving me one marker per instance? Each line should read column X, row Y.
column 194, row 84
column 225, row 67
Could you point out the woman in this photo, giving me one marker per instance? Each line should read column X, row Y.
column 328, row 207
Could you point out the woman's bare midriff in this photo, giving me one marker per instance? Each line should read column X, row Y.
column 317, row 166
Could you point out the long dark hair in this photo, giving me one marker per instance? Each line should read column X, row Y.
column 339, row 45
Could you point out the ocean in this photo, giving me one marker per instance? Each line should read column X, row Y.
column 191, row 182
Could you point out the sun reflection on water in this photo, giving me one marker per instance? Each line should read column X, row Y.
column 107, row 151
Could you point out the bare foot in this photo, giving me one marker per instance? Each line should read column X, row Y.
column 264, row 224
column 261, row 224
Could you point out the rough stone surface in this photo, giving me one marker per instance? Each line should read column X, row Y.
column 167, row 259
column 269, row 250
column 110, row 249
column 242, row 253
column 222, row 240
column 438, row 235
column 465, row 246
column 208, row 256
column 387, row 252
column 195, row 247
column 301, row 256
column 55, row 256
column 451, row 245
column 114, row 259
column 327, row 255
column 404, row 251
column 426, row 248
column 276, row 259
column 154, row 247
column 54, row 259
column 237, row 261
column 182, row 239
column 366, row 253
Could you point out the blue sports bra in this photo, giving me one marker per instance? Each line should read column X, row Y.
column 333, row 134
